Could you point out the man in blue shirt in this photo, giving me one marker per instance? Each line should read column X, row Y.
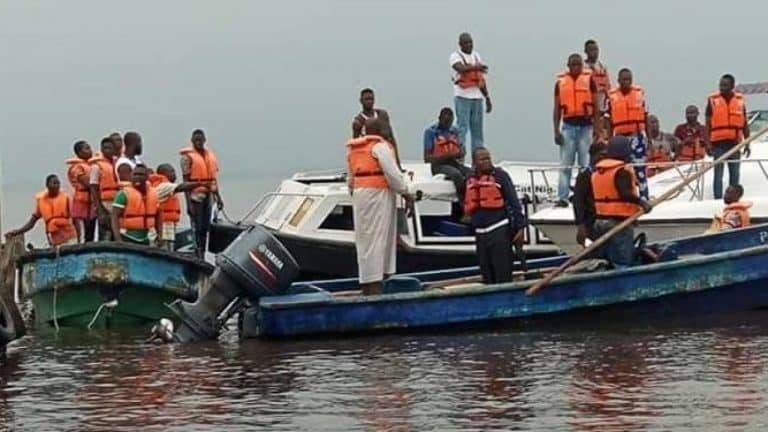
column 496, row 215
column 444, row 150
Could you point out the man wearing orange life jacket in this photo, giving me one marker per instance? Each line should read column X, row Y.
column 53, row 207
column 104, row 187
column 727, row 126
column 78, row 173
column 736, row 212
column 374, row 181
column 444, row 151
column 199, row 164
column 599, row 72
column 616, row 197
column 164, row 182
column 576, row 106
column 629, row 118
column 469, row 89
column 691, row 136
column 496, row 215
column 661, row 147
column 135, row 212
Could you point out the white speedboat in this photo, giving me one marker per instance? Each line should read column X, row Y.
column 689, row 213
column 311, row 214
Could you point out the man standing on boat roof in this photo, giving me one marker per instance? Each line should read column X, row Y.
column 130, row 157
column 616, row 198
column 629, row 117
column 53, row 207
column 135, row 214
column 496, row 215
column 104, row 187
column 469, row 89
column 444, row 151
column 691, row 136
column 599, row 73
column 727, row 125
column 576, row 104
column 199, row 164
column 368, row 111
column 78, row 174
column 375, row 180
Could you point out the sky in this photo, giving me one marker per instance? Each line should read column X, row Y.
column 275, row 84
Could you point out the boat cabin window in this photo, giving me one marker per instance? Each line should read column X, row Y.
column 440, row 218
column 757, row 120
column 301, row 212
column 340, row 218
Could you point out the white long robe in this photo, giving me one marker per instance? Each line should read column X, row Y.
column 375, row 219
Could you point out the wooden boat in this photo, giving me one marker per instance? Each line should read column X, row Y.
column 694, row 276
column 108, row 284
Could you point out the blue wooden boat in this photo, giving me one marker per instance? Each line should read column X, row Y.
column 695, row 276
column 108, row 284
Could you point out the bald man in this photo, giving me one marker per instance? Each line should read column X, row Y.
column 374, row 181
column 469, row 90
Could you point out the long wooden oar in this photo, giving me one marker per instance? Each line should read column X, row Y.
column 630, row 220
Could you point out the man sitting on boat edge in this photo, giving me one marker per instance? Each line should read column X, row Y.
column 496, row 215
column 444, row 151
column 736, row 212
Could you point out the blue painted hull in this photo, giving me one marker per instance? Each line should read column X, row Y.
column 70, row 286
column 721, row 273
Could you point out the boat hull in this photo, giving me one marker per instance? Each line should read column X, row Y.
column 79, row 285
column 710, row 279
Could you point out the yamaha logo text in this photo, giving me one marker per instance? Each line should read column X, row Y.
column 270, row 256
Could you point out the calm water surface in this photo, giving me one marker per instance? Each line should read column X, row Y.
column 703, row 376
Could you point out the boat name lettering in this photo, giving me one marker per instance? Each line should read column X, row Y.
column 271, row 256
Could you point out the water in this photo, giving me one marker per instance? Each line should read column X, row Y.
column 708, row 376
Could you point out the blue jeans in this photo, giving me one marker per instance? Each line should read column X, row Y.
column 576, row 142
column 619, row 249
column 733, row 169
column 469, row 117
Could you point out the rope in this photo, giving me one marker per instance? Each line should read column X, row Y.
column 108, row 304
column 227, row 218
column 56, row 288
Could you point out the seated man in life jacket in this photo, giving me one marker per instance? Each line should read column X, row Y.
column 445, row 151
column 135, row 214
column 53, row 207
column 164, row 182
column 736, row 212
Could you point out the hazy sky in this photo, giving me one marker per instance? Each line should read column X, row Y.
column 275, row 84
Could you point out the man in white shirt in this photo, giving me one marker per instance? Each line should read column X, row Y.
column 469, row 90
column 130, row 157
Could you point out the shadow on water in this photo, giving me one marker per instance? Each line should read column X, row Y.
column 622, row 377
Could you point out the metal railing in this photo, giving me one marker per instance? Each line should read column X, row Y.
column 683, row 170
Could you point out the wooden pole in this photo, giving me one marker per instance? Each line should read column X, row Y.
column 630, row 220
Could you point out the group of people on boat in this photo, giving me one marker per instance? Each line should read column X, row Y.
column 116, row 196
column 605, row 130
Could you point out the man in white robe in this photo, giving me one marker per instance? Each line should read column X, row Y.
column 375, row 214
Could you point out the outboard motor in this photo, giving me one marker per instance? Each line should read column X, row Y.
column 253, row 266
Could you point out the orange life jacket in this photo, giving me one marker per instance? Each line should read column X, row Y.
column 736, row 215
column 600, row 75
column 140, row 209
column 55, row 214
column 627, row 111
column 482, row 192
column 170, row 209
column 446, row 146
column 575, row 94
column 363, row 167
column 727, row 120
column 204, row 168
column 471, row 78
column 77, row 169
column 108, row 185
column 657, row 155
column 607, row 200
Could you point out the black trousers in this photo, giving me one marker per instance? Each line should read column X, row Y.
column 201, row 221
column 456, row 172
column 89, row 230
column 494, row 254
column 105, row 228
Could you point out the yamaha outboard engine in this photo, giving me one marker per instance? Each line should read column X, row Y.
column 254, row 265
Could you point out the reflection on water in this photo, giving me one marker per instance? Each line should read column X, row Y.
column 625, row 379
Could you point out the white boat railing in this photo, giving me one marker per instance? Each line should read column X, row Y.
column 683, row 170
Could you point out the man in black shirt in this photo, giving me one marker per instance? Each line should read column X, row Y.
column 583, row 202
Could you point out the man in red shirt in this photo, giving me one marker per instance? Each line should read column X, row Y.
column 691, row 135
